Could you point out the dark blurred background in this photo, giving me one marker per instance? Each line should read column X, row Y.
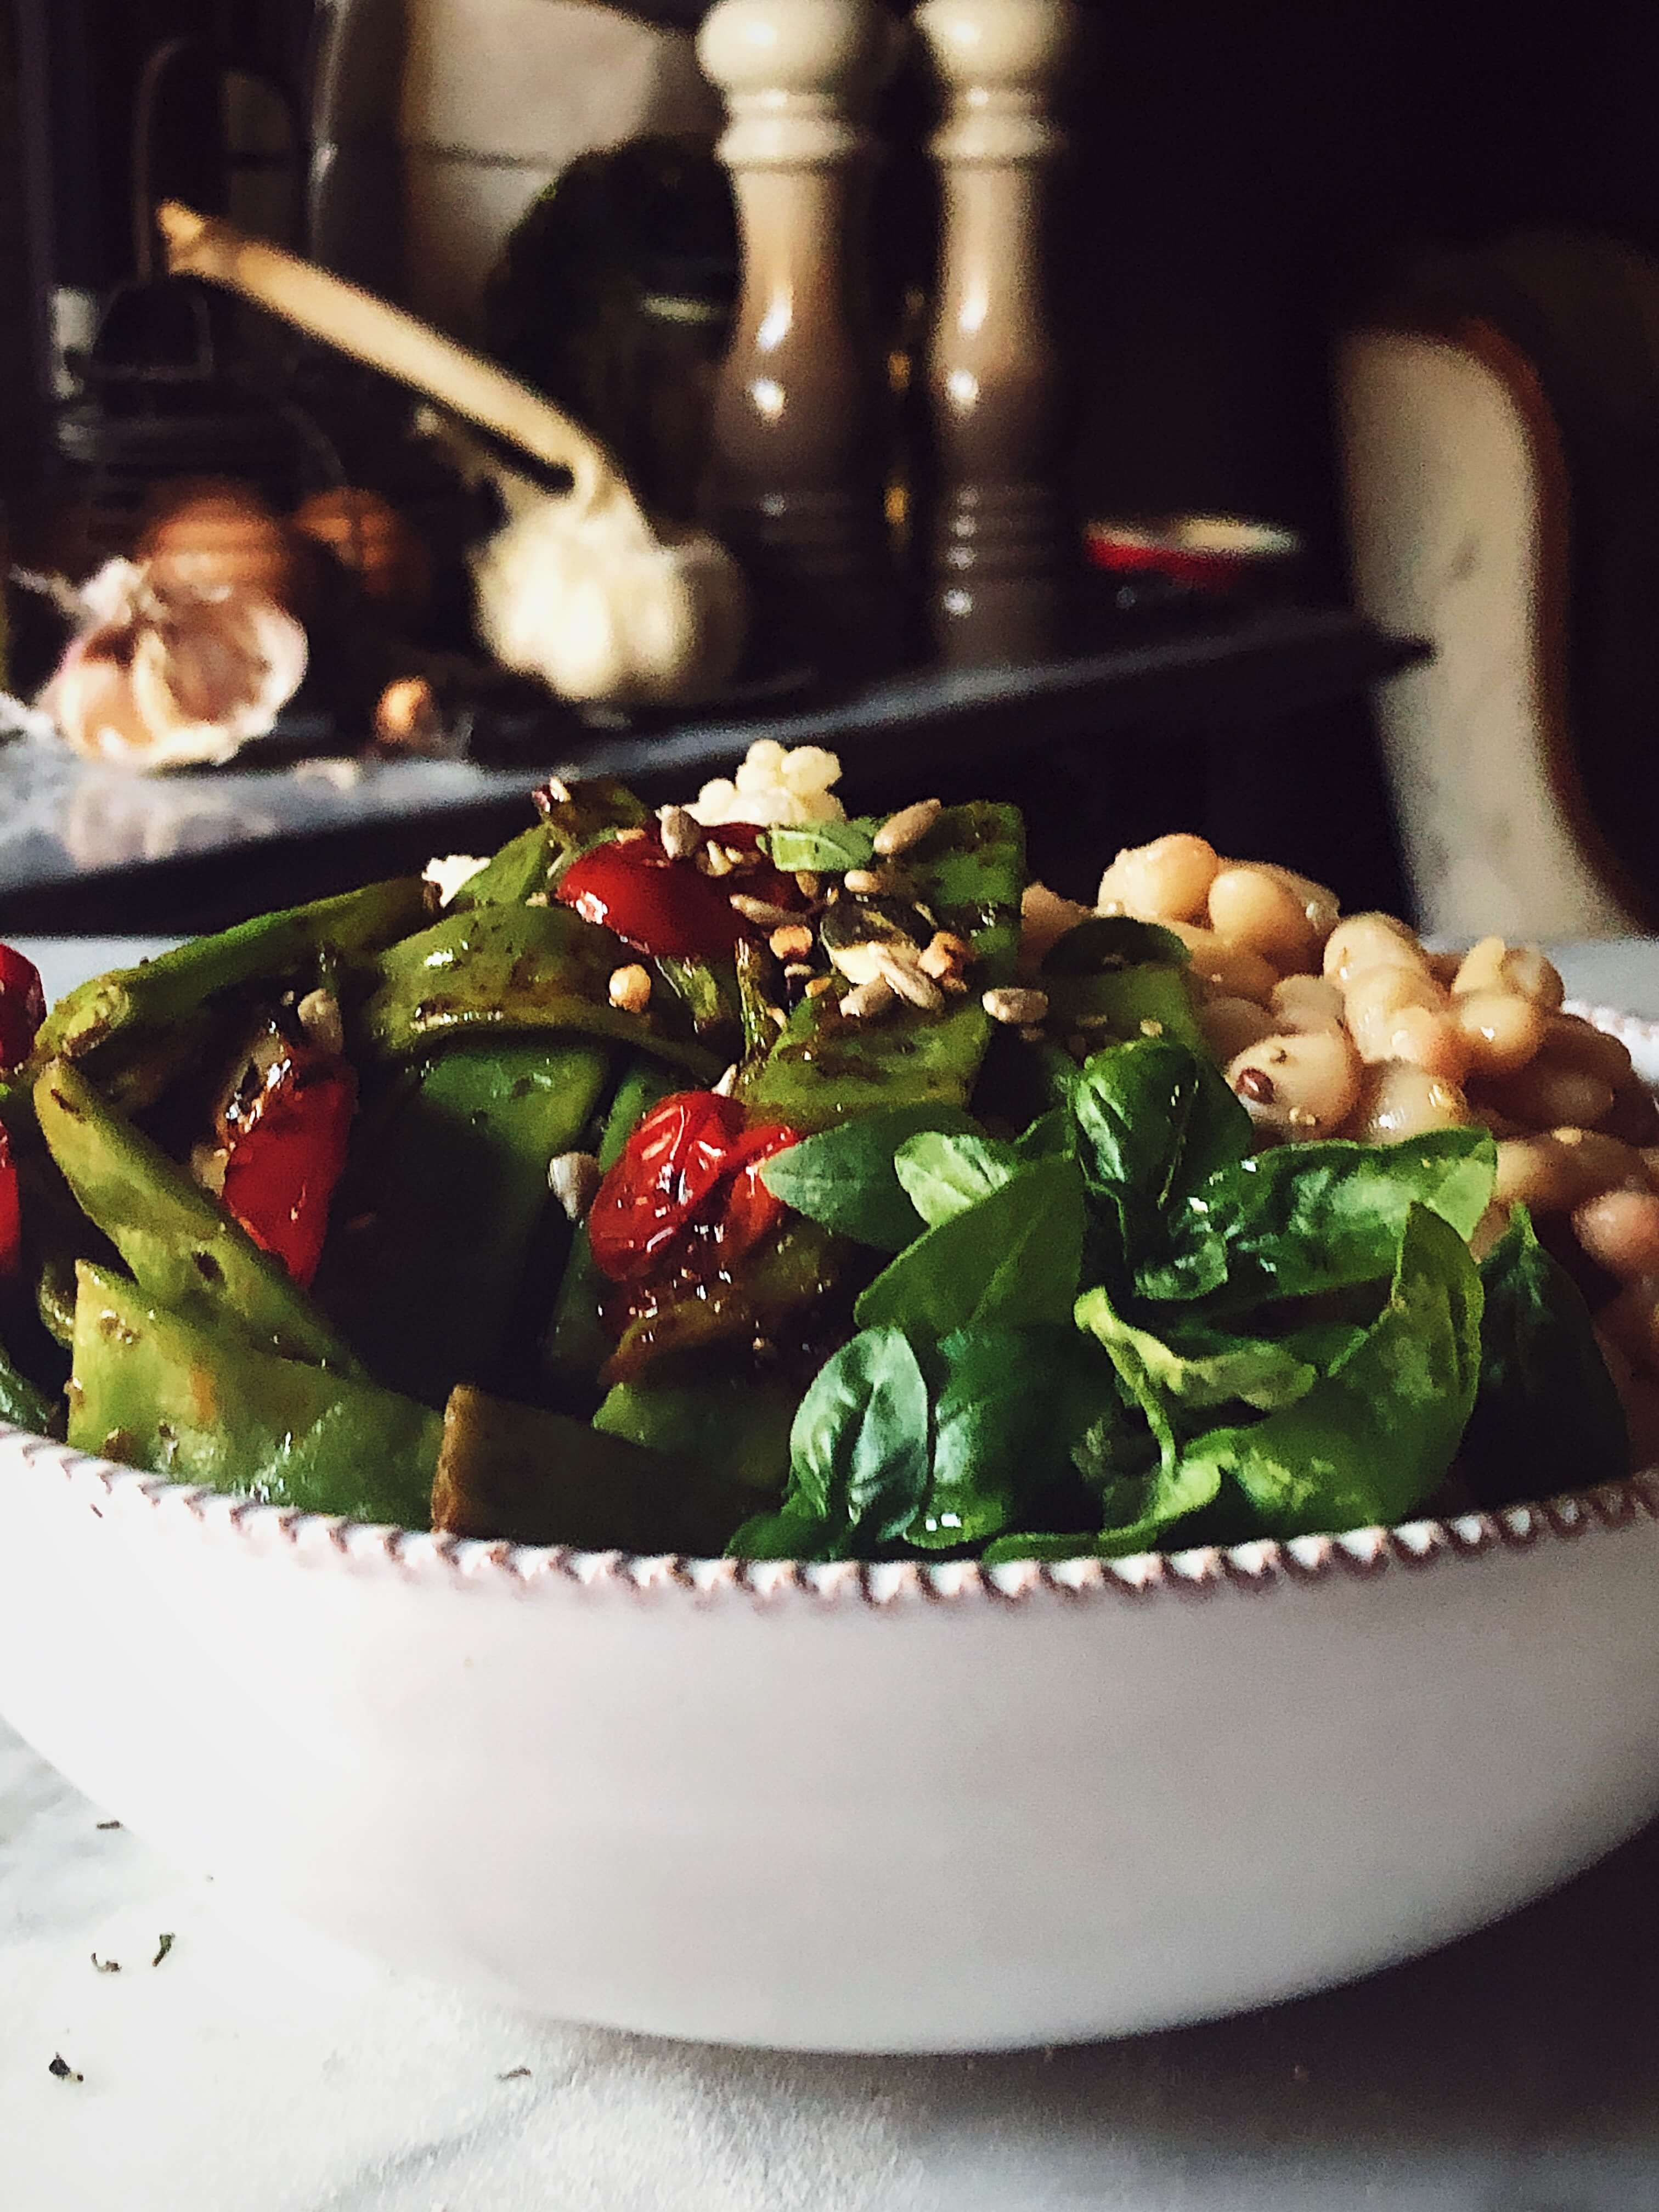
column 1241, row 180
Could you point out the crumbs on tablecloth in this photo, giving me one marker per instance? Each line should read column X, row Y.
column 109, row 1823
column 516, row 2073
column 106, row 1966
column 61, row 2067
column 166, row 1945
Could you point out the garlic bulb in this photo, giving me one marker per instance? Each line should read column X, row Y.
column 165, row 676
column 774, row 787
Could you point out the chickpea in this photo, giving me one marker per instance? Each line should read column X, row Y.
column 1168, row 880
column 1397, row 1101
column 1573, row 1042
column 1303, row 1004
column 1371, row 940
column 1233, row 970
column 1492, row 965
column 1233, row 1026
column 1543, row 1095
column 1502, row 1029
column 1297, row 1086
column 1619, row 1230
column 1254, row 908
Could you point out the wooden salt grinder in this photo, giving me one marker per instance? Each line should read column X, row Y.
column 1002, row 554
column 800, row 407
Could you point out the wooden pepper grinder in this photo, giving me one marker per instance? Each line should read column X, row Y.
column 800, row 406
column 1002, row 545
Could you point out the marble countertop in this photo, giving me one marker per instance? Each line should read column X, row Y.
column 255, row 2068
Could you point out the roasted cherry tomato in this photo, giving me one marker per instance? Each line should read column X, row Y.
column 687, row 1182
column 660, row 905
column 749, row 1212
column 11, row 1212
column 669, row 1167
column 22, row 1007
column 288, row 1154
column 669, row 907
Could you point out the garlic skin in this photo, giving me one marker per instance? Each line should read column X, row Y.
column 775, row 789
column 168, row 676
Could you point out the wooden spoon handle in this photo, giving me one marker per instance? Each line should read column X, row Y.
column 372, row 330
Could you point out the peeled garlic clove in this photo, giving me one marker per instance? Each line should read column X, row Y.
column 176, row 679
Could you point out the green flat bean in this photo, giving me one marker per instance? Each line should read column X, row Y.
column 435, row 1220
column 186, row 1250
column 503, row 970
column 197, row 1405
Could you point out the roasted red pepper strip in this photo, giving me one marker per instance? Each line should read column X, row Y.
column 11, row 1213
column 288, row 1156
column 688, row 1176
column 665, row 907
column 22, row 1007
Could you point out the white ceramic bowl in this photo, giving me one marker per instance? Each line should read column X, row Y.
column 893, row 1808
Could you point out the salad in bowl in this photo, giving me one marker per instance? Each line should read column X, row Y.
column 743, row 1179
column 743, row 1424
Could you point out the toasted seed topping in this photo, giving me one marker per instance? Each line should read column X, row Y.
column 904, row 975
column 1020, row 1009
column 572, row 1178
column 319, row 1018
column 714, row 860
column 682, row 834
column 631, row 989
column 630, row 836
column 792, row 940
column 870, row 1001
column 865, row 883
column 807, row 883
column 907, row 828
column 946, row 955
column 761, row 912
column 820, row 984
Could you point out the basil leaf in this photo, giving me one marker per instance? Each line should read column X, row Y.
column 1113, row 940
column 1310, row 1218
column 1014, row 1258
column 944, row 1175
column 1547, row 1417
column 1370, row 1441
column 823, row 849
column 1260, row 1371
column 844, row 1177
column 1010, row 1406
column 858, row 1458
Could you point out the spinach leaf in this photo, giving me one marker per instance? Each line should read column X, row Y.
column 1010, row 1404
column 1154, row 1119
column 825, row 849
column 859, row 1457
column 1370, row 1440
column 845, row 1177
column 1014, row 1258
column 21, row 1403
column 1211, row 1370
column 1113, row 940
column 944, row 1175
column 1311, row 1218
column 1547, row 1417
column 1127, row 1003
